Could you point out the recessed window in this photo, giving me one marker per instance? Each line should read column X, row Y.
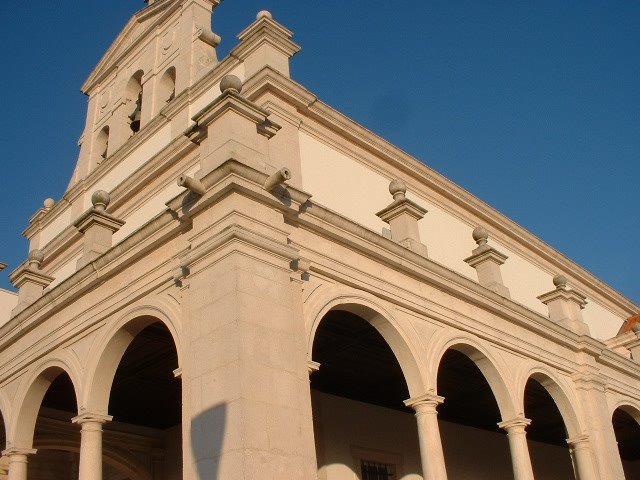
column 376, row 471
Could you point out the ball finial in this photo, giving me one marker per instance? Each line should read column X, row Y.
column 560, row 281
column 397, row 188
column 635, row 328
column 35, row 258
column 480, row 235
column 264, row 14
column 230, row 82
column 48, row 203
column 100, row 199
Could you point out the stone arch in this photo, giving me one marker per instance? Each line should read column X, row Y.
column 565, row 401
column 369, row 308
column 166, row 87
column 490, row 367
column 101, row 146
column 628, row 406
column 134, row 98
column 106, row 353
column 135, row 469
column 32, row 392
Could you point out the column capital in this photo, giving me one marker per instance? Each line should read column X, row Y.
column 579, row 442
column 426, row 403
column 313, row 367
column 88, row 417
column 515, row 424
column 14, row 451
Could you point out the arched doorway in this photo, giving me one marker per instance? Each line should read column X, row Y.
column 547, row 434
column 627, row 429
column 473, row 444
column 362, row 428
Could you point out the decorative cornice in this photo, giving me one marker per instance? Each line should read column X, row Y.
column 94, row 217
column 564, row 294
column 265, row 30
column 486, row 254
column 399, row 207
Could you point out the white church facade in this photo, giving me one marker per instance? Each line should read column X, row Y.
column 242, row 283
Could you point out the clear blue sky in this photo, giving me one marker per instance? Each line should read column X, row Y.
column 533, row 106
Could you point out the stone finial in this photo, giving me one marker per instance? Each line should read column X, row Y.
column 487, row 260
column 29, row 281
column 398, row 189
column 100, row 200
column 48, row 203
column 264, row 14
column 230, row 83
column 635, row 328
column 565, row 306
column 480, row 235
column 402, row 215
column 35, row 259
column 560, row 281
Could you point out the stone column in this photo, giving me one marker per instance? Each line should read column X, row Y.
column 520, row 458
column 18, row 462
column 431, row 454
column 581, row 457
column 90, row 445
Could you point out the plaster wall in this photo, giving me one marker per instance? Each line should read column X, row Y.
column 346, row 430
column 135, row 160
column 57, row 225
column 8, row 300
column 65, row 271
column 358, row 192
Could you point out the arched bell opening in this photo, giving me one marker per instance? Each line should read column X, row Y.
column 627, row 429
column 101, row 146
column 547, row 434
column 473, row 444
column 362, row 428
column 133, row 93
column 167, row 87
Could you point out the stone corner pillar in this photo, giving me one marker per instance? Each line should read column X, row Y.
column 520, row 458
column 565, row 306
column 487, row 260
column 90, row 444
column 431, row 453
column 18, row 458
column 402, row 215
column 98, row 228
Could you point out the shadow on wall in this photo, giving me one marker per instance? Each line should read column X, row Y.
column 207, row 436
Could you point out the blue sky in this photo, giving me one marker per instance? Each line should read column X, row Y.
column 534, row 107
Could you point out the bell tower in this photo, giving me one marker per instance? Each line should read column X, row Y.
column 164, row 49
